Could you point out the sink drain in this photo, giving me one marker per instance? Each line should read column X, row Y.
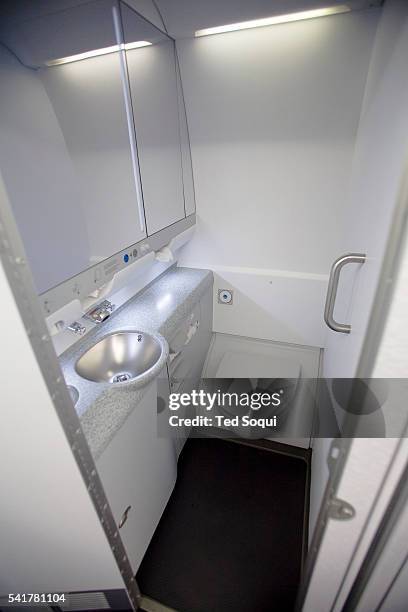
column 121, row 377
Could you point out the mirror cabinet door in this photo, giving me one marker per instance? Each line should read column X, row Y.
column 155, row 102
column 186, row 161
column 95, row 153
column 66, row 152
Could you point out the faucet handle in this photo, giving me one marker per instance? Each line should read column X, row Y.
column 100, row 313
column 77, row 328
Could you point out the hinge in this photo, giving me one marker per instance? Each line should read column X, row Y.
column 340, row 510
column 337, row 509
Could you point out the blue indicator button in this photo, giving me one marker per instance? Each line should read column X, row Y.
column 126, row 258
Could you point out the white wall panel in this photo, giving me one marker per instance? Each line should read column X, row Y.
column 271, row 304
column 273, row 115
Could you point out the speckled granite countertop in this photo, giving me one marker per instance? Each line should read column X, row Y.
column 159, row 309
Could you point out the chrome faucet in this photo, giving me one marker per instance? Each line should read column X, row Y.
column 100, row 313
column 77, row 328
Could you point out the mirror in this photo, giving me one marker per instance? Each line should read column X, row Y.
column 77, row 85
column 152, row 70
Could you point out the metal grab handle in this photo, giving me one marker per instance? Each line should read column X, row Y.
column 332, row 290
column 124, row 517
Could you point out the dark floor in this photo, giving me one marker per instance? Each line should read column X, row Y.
column 230, row 538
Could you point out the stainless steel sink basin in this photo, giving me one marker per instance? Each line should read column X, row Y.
column 120, row 357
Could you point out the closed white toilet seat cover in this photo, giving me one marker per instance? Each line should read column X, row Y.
column 253, row 365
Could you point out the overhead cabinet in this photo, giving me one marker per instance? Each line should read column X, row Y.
column 100, row 85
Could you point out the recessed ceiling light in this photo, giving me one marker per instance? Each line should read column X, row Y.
column 137, row 44
column 257, row 23
column 96, row 52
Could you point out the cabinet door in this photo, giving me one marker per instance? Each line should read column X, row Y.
column 153, row 86
column 67, row 154
column 138, row 473
column 88, row 100
column 187, row 163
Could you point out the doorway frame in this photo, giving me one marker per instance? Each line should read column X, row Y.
column 19, row 277
column 346, row 572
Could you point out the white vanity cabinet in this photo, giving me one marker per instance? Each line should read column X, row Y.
column 138, row 473
column 188, row 349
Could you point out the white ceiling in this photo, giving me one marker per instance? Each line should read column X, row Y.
column 184, row 17
column 181, row 17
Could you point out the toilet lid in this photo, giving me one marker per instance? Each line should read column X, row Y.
column 253, row 365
